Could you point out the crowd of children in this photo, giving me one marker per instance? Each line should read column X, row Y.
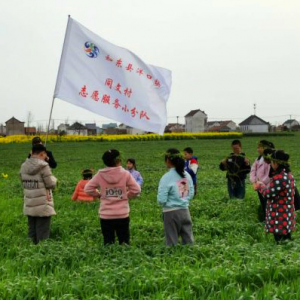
column 270, row 176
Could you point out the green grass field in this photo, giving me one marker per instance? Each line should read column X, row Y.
column 232, row 258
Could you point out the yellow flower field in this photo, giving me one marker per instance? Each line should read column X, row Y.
column 123, row 137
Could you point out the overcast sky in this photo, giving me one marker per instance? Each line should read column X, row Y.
column 224, row 55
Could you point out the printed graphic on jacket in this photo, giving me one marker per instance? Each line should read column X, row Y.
column 30, row 184
column 115, row 193
column 183, row 188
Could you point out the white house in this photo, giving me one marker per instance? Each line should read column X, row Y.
column 63, row 127
column 77, row 129
column 254, row 124
column 221, row 126
column 290, row 123
column 195, row 121
column 131, row 130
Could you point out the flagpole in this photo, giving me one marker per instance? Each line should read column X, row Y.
column 57, row 80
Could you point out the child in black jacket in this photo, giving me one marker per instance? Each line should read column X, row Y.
column 237, row 167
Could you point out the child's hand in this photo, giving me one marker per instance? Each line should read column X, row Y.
column 247, row 161
column 224, row 161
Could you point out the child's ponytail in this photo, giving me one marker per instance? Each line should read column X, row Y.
column 176, row 159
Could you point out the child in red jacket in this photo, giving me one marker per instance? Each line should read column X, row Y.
column 79, row 193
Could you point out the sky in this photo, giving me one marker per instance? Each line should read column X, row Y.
column 225, row 55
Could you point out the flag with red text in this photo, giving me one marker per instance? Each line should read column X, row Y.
column 112, row 81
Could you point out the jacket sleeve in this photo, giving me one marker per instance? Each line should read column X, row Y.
column 191, row 188
column 163, row 191
column 245, row 168
column 222, row 167
column 253, row 177
column 133, row 188
column 140, row 179
column 75, row 194
column 92, row 186
column 49, row 180
column 52, row 163
column 272, row 189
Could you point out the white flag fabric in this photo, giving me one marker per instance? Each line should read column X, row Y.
column 112, row 81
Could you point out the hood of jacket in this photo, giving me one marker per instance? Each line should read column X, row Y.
column 112, row 175
column 33, row 165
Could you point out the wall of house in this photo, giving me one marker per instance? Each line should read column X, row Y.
column 77, row 132
column 14, row 128
column 255, row 128
column 196, row 123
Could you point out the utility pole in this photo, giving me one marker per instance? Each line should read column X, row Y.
column 254, row 107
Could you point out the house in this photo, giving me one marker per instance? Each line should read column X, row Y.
column 2, row 130
column 30, row 130
column 290, row 124
column 114, row 131
column 131, row 130
column 174, row 127
column 62, row 128
column 14, row 127
column 92, row 128
column 195, row 121
column 221, row 126
column 77, row 129
column 109, row 125
column 254, row 124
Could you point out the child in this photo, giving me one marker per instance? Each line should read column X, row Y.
column 49, row 158
column 260, row 172
column 237, row 167
column 131, row 168
column 175, row 191
column 38, row 183
column 280, row 214
column 79, row 193
column 191, row 166
column 116, row 187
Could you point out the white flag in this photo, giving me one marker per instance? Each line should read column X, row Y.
column 112, row 81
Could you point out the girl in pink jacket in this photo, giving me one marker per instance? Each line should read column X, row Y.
column 114, row 186
column 260, row 173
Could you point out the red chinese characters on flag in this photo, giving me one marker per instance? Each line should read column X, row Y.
column 117, row 104
column 109, row 82
column 106, row 99
column 143, row 114
column 134, row 112
column 127, row 92
column 139, row 71
column 125, row 108
column 129, row 68
column 157, row 83
column 83, row 92
column 95, row 95
column 119, row 63
column 149, row 76
column 108, row 58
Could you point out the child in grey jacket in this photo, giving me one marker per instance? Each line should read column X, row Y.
column 38, row 182
column 175, row 191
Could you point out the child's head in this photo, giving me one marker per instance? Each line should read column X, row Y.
column 111, row 158
column 262, row 145
column 87, row 174
column 131, row 164
column 188, row 152
column 279, row 159
column 36, row 141
column 236, row 146
column 174, row 159
column 39, row 151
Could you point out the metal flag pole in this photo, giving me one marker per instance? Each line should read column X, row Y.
column 57, row 80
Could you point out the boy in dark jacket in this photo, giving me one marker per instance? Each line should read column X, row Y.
column 237, row 167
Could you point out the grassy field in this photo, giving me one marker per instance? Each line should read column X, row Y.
column 232, row 258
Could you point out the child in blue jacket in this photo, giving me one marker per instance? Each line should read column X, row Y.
column 175, row 191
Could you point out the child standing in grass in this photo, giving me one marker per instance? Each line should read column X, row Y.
column 260, row 172
column 79, row 194
column 280, row 214
column 38, row 183
column 237, row 167
column 116, row 187
column 191, row 166
column 131, row 168
column 175, row 191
